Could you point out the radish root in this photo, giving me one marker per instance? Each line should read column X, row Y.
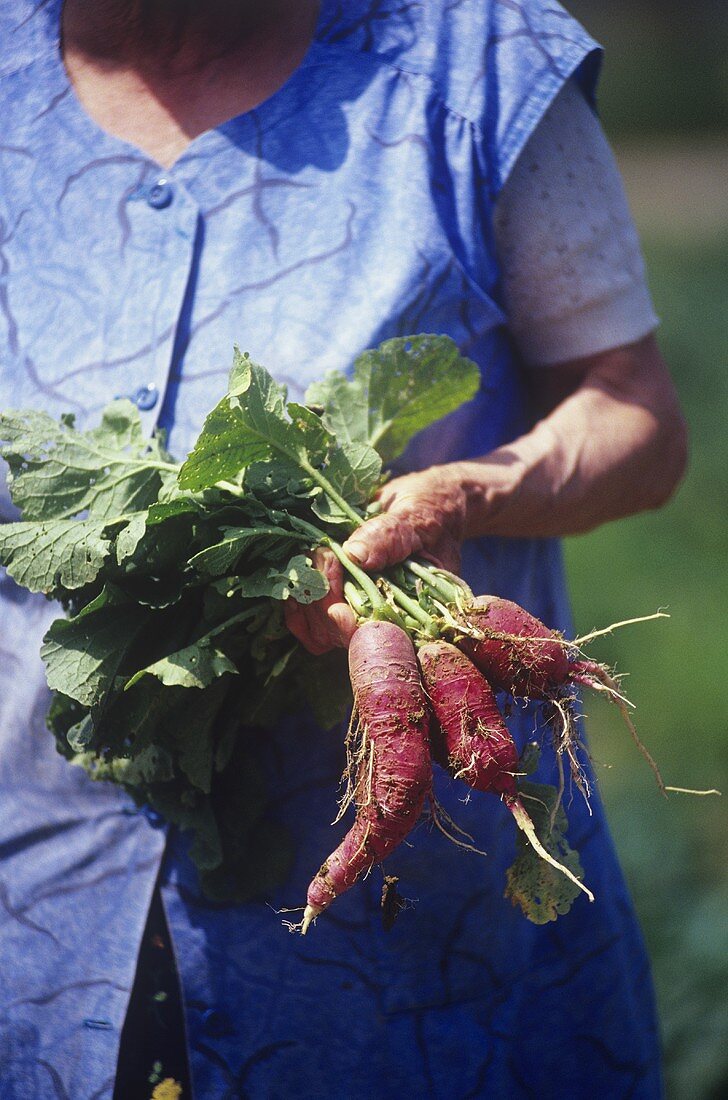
column 526, row 825
column 595, row 676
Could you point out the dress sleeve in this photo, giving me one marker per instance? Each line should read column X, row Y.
column 573, row 279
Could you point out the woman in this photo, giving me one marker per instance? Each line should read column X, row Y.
column 308, row 179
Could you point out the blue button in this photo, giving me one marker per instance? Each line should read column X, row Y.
column 146, row 397
column 160, row 194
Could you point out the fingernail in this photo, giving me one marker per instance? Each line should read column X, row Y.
column 356, row 550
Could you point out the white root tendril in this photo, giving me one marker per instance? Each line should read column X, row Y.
column 524, row 822
column 585, row 638
column 689, row 790
column 355, row 752
column 310, row 914
column 596, row 676
column 559, row 793
column 567, row 743
column 611, row 692
column 449, row 828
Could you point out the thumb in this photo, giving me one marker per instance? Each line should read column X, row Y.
column 382, row 541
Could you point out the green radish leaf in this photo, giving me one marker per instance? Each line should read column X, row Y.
column 268, row 701
column 319, row 440
column 249, row 425
column 83, row 654
column 541, row 891
column 298, row 580
column 53, row 554
column 396, row 390
column 152, row 765
column 127, row 722
column 345, row 403
column 262, row 861
column 279, row 484
column 130, row 536
column 139, row 538
column 81, row 735
column 220, row 559
column 218, row 454
column 63, row 714
column 196, row 816
column 191, row 736
column 57, row 472
column 195, row 666
column 355, row 471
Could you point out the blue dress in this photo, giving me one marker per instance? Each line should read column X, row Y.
column 353, row 205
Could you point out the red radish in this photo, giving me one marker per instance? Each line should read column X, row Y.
column 395, row 773
column 480, row 748
column 517, row 653
column 520, row 655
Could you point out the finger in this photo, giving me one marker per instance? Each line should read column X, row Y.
column 308, row 633
column 342, row 623
column 327, row 563
column 383, row 541
column 309, row 623
column 320, row 629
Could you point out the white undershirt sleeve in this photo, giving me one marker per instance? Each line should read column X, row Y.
column 573, row 275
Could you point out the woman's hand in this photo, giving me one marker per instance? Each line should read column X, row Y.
column 329, row 622
column 423, row 515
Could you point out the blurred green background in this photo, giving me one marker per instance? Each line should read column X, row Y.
column 664, row 103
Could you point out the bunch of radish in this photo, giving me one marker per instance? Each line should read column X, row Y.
column 424, row 689
column 173, row 578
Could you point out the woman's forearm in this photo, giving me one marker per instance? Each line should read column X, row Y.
column 613, row 446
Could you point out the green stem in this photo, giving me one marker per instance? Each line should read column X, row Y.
column 230, row 487
column 444, row 589
column 319, row 478
column 354, row 599
column 331, row 492
column 363, row 580
column 411, row 607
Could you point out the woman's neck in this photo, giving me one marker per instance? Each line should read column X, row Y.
column 157, row 73
column 178, row 37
